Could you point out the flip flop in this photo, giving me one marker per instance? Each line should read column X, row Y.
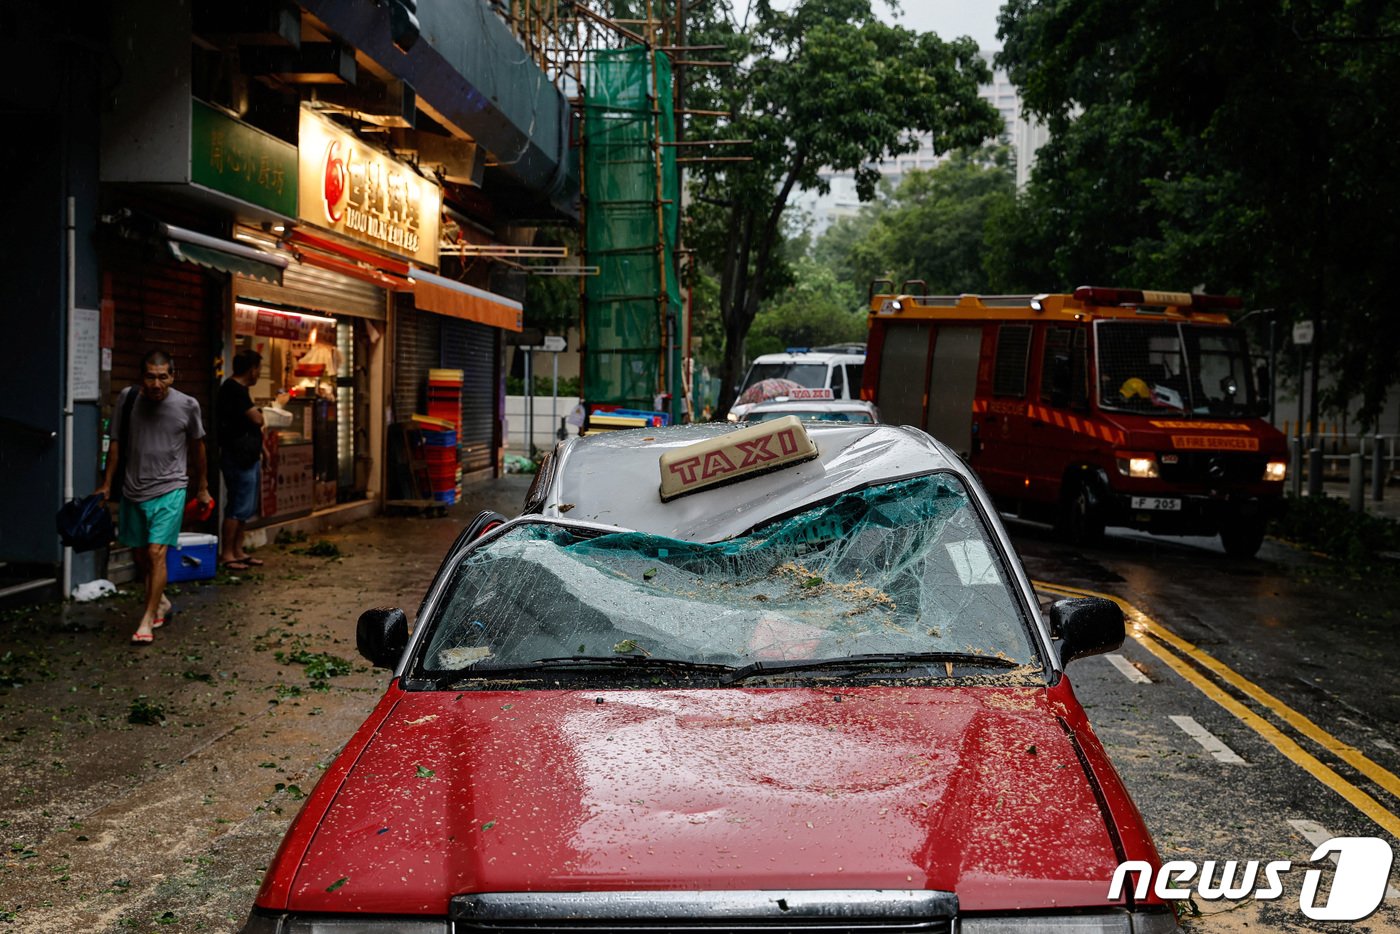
column 235, row 566
column 142, row 638
column 160, row 621
column 250, row 561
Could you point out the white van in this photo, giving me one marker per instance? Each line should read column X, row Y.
column 838, row 367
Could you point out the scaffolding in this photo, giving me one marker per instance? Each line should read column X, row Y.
column 632, row 308
column 618, row 72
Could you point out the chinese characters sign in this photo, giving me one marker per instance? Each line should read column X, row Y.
column 354, row 190
column 238, row 160
column 284, row 325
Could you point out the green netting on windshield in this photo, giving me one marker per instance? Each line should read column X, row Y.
column 902, row 567
column 625, row 113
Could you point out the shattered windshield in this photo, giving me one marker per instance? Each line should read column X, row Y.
column 1181, row 369
column 905, row 567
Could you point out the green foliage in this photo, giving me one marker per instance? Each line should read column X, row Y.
column 818, row 308
column 931, row 228
column 1245, row 146
column 1327, row 525
column 552, row 302
column 820, row 84
column 321, row 548
column 145, row 712
column 544, row 385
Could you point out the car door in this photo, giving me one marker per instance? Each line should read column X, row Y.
column 1001, row 430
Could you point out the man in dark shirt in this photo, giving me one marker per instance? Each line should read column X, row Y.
column 240, row 425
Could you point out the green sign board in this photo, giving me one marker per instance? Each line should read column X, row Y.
column 233, row 158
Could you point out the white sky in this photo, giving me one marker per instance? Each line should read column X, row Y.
column 951, row 18
column 948, row 18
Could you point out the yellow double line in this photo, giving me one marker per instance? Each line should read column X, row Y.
column 1165, row 644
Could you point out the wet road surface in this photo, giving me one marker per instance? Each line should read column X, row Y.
column 1273, row 729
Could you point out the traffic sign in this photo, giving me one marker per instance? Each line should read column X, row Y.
column 552, row 343
column 1303, row 332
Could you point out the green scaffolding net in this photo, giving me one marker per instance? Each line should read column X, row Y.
column 631, row 309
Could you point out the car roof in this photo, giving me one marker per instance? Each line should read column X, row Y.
column 813, row 405
column 810, row 356
column 614, row 478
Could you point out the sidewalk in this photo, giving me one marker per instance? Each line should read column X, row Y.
column 149, row 786
column 1387, row 507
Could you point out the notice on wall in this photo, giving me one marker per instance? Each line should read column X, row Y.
column 84, row 355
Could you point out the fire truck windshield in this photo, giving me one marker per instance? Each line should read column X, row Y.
column 1184, row 369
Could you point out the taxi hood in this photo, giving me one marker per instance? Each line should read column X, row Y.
column 974, row 790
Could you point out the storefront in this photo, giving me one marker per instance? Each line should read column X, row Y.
column 320, row 335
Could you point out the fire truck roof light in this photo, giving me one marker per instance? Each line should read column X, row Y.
column 1099, row 295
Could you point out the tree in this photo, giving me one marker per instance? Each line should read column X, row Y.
column 1245, row 145
column 818, row 308
column 932, row 228
column 822, row 85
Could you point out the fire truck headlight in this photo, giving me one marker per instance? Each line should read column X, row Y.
column 1137, row 465
column 1276, row 470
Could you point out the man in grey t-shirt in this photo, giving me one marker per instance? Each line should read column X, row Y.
column 164, row 448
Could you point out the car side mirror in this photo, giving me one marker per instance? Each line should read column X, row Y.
column 1087, row 626
column 381, row 635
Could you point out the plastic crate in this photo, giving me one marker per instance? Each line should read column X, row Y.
column 196, row 558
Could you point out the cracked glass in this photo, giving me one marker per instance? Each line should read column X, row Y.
column 903, row 567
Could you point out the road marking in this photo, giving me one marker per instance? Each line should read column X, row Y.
column 1128, row 669
column 1152, row 636
column 1208, row 740
column 1316, row 835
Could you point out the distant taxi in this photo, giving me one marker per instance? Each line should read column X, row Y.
column 814, row 405
column 779, row 676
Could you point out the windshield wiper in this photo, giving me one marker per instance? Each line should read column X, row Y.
column 598, row 661
column 881, row 659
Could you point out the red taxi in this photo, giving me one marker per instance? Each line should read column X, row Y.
column 780, row 677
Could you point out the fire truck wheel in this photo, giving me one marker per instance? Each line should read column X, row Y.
column 1081, row 522
column 1242, row 537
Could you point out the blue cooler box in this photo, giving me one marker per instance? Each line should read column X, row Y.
column 196, row 558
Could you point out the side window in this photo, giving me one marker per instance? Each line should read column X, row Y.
column 855, row 375
column 1013, row 353
column 1055, row 378
column 1079, row 369
column 1064, row 369
column 838, row 381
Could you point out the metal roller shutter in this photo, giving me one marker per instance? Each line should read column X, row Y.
column 170, row 306
column 417, row 349
column 306, row 286
column 472, row 348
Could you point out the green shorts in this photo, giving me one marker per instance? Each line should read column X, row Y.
column 154, row 522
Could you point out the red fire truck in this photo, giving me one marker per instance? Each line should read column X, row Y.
column 1103, row 407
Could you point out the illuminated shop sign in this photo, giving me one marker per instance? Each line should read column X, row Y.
column 282, row 325
column 355, row 190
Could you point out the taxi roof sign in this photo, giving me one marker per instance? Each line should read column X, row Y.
column 805, row 393
column 735, row 455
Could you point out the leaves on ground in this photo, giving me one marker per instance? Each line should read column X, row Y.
column 145, row 712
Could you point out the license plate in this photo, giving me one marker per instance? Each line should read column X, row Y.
column 1165, row 503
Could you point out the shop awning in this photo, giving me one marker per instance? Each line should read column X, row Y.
column 457, row 300
column 353, row 270
column 223, row 255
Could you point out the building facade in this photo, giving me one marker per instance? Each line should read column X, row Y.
column 324, row 182
column 1023, row 136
